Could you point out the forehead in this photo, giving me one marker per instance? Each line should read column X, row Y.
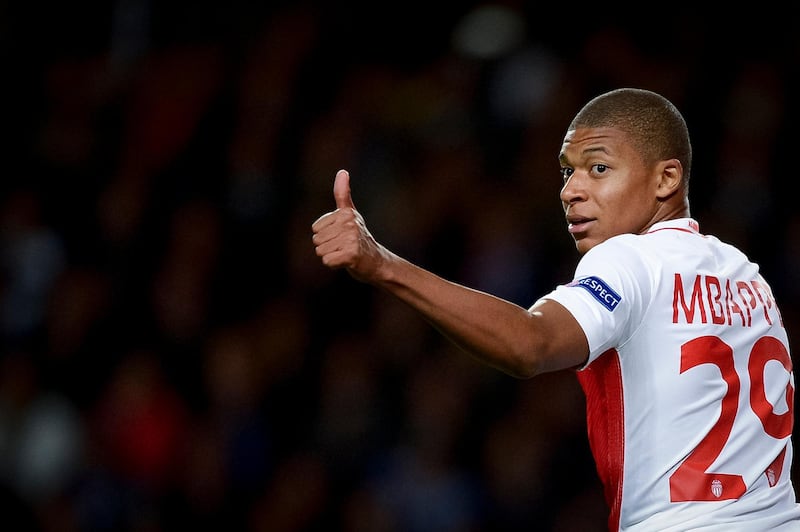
column 586, row 141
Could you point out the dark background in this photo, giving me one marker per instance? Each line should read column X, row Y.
column 175, row 357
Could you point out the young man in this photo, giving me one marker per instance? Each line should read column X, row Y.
column 675, row 336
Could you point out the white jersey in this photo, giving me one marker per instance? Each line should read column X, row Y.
column 689, row 383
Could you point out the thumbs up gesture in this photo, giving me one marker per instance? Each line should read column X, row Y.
column 341, row 238
column 341, row 190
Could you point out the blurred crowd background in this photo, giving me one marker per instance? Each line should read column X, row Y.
column 175, row 357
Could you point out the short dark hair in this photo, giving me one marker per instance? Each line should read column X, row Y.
column 656, row 127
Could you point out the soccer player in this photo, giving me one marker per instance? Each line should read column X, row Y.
column 675, row 336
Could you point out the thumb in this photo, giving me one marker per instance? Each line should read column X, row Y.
column 341, row 190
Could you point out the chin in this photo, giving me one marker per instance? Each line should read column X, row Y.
column 585, row 244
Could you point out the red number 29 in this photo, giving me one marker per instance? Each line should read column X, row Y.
column 692, row 481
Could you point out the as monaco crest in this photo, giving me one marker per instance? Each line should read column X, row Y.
column 771, row 477
column 716, row 488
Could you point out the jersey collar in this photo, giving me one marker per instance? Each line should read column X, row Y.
column 681, row 224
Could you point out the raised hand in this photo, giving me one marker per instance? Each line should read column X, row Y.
column 341, row 237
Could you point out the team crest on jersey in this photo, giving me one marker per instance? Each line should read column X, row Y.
column 600, row 290
column 771, row 477
column 716, row 488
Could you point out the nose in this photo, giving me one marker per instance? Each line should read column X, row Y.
column 572, row 191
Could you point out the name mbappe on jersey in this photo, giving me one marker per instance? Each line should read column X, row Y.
column 722, row 301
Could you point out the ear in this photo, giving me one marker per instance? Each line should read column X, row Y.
column 670, row 178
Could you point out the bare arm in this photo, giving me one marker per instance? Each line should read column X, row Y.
column 521, row 342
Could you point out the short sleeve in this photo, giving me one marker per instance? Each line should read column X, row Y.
column 609, row 293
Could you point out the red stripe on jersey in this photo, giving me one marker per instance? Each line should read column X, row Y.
column 774, row 470
column 602, row 384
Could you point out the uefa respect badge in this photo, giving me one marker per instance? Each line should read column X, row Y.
column 600, row 290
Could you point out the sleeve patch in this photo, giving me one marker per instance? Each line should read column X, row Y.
column 600, row 290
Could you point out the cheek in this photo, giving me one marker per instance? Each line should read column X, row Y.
column 622, row 208
column 631, row 206
column 629, row 197
column 619, row 202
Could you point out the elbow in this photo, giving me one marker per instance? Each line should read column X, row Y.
column 525, row 364
column 513, row 362
column 551, row 341
column 543, row 355
column 523, row 372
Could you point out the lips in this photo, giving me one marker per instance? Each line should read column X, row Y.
column 578, row 224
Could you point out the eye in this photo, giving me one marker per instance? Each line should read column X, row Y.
column 566, row 172
column 599, row 168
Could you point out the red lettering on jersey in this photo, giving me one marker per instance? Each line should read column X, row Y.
column 688, row 312
column 751, row 304
column 715, row 303
column 766, row 301
column 733, row 306
column 765, row 350
column 723, row 303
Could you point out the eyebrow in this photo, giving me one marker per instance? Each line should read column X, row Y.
column 601, row 149
column 562, row 157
